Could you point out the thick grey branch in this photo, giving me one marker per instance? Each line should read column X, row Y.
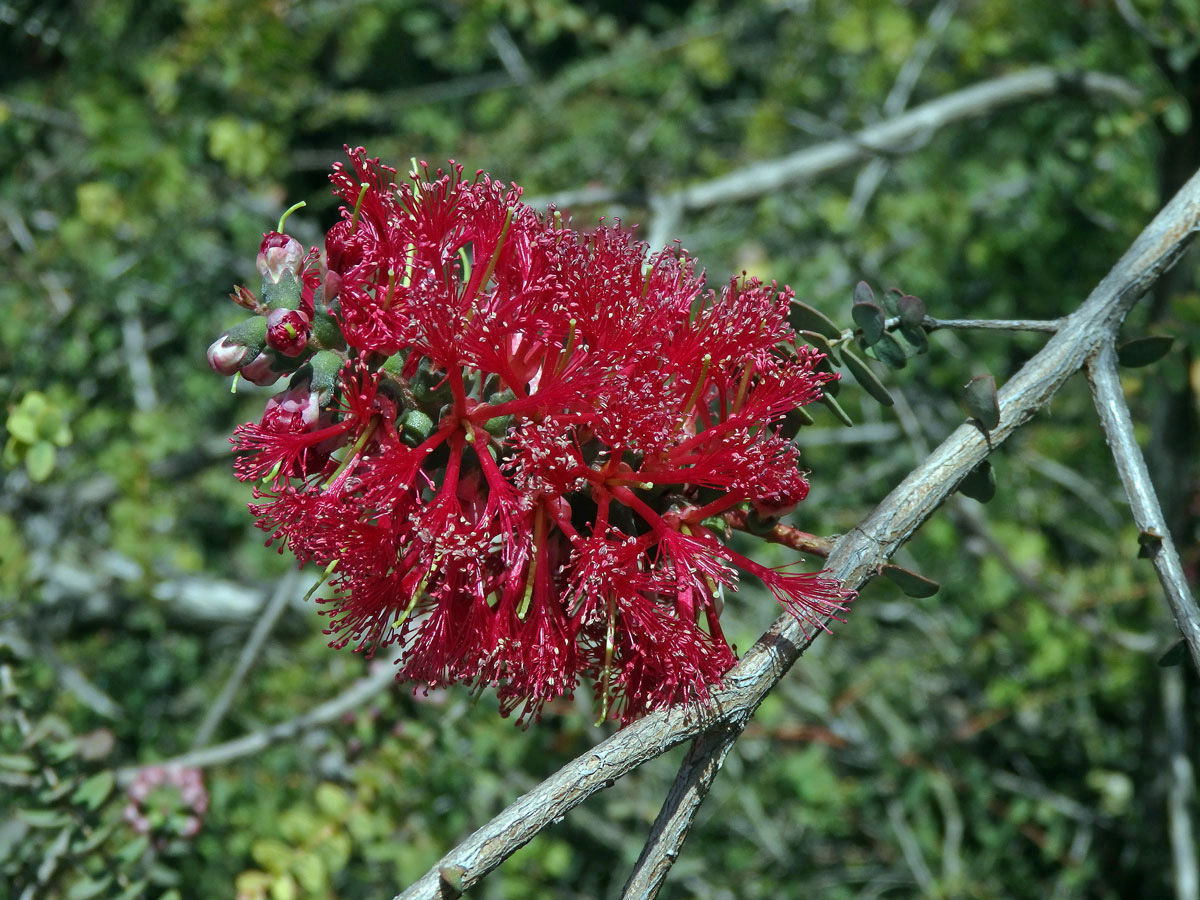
column 856, row 556
column 1147, row 513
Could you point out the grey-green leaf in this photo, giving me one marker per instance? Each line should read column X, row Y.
column 980, row 483
column 915, row 337
column 1174, row 655
column 821, row 343
column 910, row 582
column 869, row 317
column 864, row 376
column 836, row 409
column 804, row 318
column 888, row 352
column 911, row 309
column 891, row 301
column 982, row 402
column 1144, row 351
column 863, row 293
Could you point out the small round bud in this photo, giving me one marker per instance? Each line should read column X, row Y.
column 288, row 331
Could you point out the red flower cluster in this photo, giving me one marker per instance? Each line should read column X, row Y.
column 514, row 441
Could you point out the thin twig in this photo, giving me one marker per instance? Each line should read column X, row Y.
column 274, row 606
column 1048, row 326
column 786, row 535
column 856, row 556
column 893, row 135
column 872, row 175
column 1181, row 789
column 349, row 700
column 1147, row 513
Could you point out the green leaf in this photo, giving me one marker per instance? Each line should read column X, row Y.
column 22, row 426
column 43, row 818
column 1144, row 351
column 332, row 800
column 39, row 461
column 980, row 483
column 805, row 318
column 864, row 376
column 869, row 317
column 88, row 888
column 888, row 352
column 134, row 891
column 17, row 762
column 863, row 293
column 273, row 855
column 95, row 790
column 134, row 850
column 835, row 408
column 910, row 582
column 982, row 402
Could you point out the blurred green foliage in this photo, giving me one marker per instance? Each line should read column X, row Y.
column 1002, row 738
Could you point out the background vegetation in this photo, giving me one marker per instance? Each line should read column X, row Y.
column 1010, row 736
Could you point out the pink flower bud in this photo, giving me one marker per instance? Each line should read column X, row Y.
column 279, row 254
column 292, row 410
column 225, row 355
column 259, row 371
column 288, row 331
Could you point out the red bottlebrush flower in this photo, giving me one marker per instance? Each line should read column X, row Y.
column 514, row 466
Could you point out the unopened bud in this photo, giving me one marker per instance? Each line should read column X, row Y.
column 288, row 331
column 238, row 346
column 279, row 254
column 261, row 371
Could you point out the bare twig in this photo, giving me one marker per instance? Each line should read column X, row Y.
column 856, row 556
column 1181, row 789
column 889, row 136
column 869, row 179
column 1147, row 513
column 510, row 54
column 265, row 624
column 349, row 700
column 910, row 847
column 1045, row 325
